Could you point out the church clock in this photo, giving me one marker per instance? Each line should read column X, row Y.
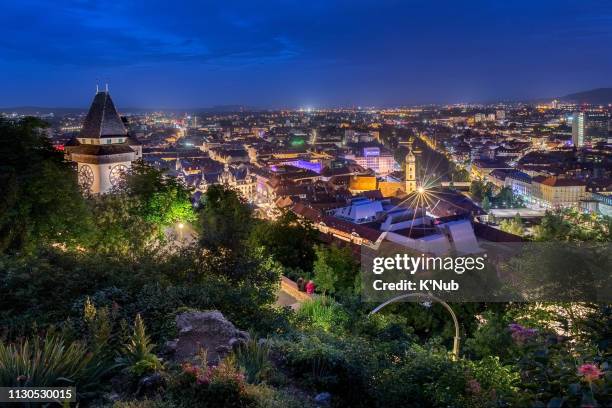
column 86, row 177
column 116, row 174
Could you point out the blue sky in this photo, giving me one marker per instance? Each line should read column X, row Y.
column 285, row 53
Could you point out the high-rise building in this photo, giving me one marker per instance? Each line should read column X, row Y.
column 103, row 150
column 578, row 129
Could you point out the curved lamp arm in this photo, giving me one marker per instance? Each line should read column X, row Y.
column 434, row 298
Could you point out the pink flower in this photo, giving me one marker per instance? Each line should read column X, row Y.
column 474, row 386
column 589, row 372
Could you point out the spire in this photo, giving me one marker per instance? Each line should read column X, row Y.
column 102, row 120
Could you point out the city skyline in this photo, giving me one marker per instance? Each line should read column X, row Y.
column 290, row 55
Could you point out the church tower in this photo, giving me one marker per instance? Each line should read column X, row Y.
column 410, row 170
column 103, row 150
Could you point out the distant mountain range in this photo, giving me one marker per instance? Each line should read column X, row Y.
column 40, row 110
column 599, row 96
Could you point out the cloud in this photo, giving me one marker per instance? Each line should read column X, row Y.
column 102, row 34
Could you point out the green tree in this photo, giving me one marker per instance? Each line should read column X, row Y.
column 161, row 201
column 480, row 189
column 225, row 219
column 514, row 226
column 486, row 204
column 335, row 269
column 289, row 241
column 134, row 217
column 572, row 225
column 40, row 201
column 507, row 199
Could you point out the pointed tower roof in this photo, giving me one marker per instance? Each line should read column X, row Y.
column 102, row 119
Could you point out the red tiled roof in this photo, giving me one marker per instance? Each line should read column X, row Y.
column 561, row 182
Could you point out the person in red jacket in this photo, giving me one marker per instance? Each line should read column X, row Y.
column 310, row 287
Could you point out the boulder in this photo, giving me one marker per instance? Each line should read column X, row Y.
column 323, row 399
column 149, row 384
column 204, row 330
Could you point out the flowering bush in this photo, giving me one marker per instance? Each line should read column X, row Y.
column 200, row 384
column 551, row 372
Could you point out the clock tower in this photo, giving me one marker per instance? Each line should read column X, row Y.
column 103, row 150
column 410, row 170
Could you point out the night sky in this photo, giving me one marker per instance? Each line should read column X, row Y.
column 300, row 53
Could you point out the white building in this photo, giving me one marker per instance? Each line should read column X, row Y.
column 578, row 129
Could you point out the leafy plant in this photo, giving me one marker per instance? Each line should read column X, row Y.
column 323, row 313
column 138, row 352
column 253, row 358
column 44, row 362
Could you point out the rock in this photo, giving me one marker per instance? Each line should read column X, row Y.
column 113, row 397
column 236, row 342
column 170, row 347
column 147, row 385
column 323, row 399
column 205, row 330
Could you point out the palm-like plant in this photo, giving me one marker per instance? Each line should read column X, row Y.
column 138, row 352
column 46, row 362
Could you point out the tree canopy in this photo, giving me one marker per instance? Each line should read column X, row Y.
column 40, row 202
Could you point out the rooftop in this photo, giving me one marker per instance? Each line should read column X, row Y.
column 102, row 120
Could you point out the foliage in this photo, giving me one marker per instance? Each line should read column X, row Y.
column 490, row 338
column 225, row 219
column 289, row 241
column 506, row 198
column 335, row 269
column 46, row 362
column 514, row 226
column 162, row 201
column 133, row 219
column 199, row 384
column 480, row 189
column 40, row 198
column 483, row 191
column 253, row 359
column 267, row 397
column 575, row 226
column 137, row 353
column 322, row 313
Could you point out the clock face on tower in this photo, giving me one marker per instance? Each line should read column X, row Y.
column 86, row 177
column 116, row 174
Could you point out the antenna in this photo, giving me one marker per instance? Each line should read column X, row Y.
column 97, row 85
column 106, row 87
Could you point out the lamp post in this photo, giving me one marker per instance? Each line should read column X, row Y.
column 180, row 227
column 456, row 340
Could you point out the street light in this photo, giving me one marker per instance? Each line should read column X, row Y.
column 180, row 227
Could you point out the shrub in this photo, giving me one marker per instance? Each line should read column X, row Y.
column 421, row 378
column 265, row 396
column 197, row 384
column 322, row 313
